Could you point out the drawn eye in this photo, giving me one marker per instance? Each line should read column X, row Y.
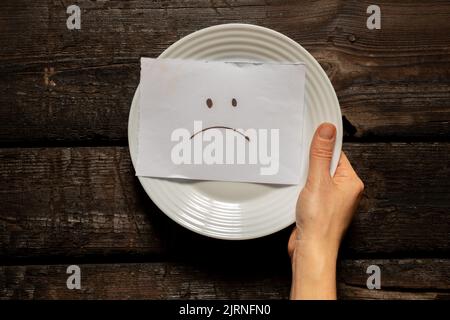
column 209, row 103
column 234, row 102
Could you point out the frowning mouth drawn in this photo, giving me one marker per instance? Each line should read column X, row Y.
column 225, row 149
column 221, row 127
column 209, row 104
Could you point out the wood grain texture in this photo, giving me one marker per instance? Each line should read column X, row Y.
column 392, row 83
column 401, row 279
column 83, row 205
column 86, row 202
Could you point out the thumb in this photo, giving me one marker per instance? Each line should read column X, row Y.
column 322, row 147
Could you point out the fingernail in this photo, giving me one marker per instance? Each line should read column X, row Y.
column 327, row 131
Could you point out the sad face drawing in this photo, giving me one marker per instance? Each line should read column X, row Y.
column 210, row 104
column 220, row 120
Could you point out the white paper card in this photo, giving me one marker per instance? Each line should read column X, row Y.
column 222, row 121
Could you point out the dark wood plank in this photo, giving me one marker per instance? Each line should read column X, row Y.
column 406, row 200
column 415, row 274
column 86, row 202
column 392, row 83
column 400, row 279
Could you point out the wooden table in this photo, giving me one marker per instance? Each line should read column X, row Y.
column 68, row 192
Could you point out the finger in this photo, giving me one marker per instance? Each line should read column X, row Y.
column 343, row 161
column 291, row 242
column 322, row 147
column 344, row 167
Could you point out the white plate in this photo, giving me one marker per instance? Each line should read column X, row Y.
column 230, row 210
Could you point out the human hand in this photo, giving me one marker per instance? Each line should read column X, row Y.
column 325, row 208
column 326, row 204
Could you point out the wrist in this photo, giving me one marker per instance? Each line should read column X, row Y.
column 314, row 270
column 325, row 243
column 318, row 249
